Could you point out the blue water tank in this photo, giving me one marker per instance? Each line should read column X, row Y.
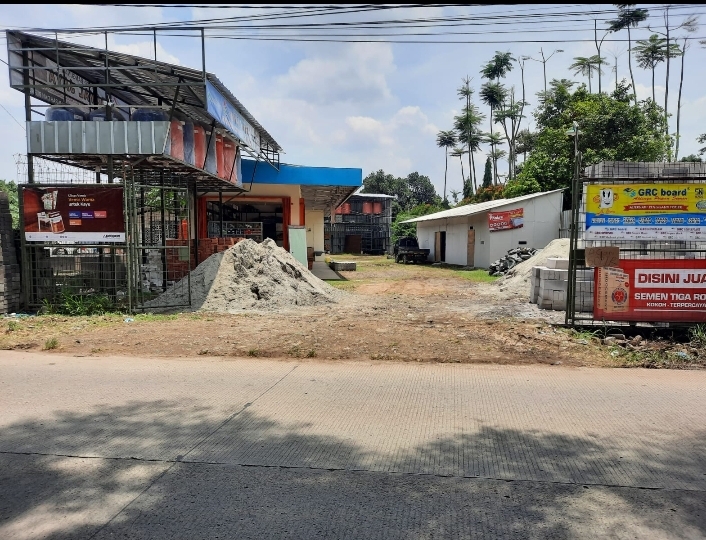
column 99, row 115
column 63, row 114
column 150, row 115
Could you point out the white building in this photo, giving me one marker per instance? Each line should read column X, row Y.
column 478, row 234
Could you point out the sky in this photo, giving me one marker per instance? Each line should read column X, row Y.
column 374, row 105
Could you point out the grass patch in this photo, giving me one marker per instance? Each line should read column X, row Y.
column 311, row 354
column 13, row 326
column 51, row 344
column 254, row 353
column 148, row 317
column 477, row 276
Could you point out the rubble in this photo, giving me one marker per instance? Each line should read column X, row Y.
column 509, row 261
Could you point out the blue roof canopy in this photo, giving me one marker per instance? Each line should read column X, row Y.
column 301, row 175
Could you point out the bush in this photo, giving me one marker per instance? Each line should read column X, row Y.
column 80, row 305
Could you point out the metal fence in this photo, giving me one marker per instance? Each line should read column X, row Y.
column 581, row 293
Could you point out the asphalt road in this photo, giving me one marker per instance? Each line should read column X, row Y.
column 256, row 448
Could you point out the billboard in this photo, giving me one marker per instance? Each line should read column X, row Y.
column 223, row 111
column 655, row 290
column 646, row 212
column 73, row 214
column 510, row 219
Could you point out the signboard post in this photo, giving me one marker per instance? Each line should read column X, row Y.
column 509, row 219
column 76, row 213
column 646, row 212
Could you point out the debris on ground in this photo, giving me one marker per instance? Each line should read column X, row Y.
column 249, row 276
column 517, row 281
column 512, row 259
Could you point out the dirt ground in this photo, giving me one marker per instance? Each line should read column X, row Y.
column 392, row 312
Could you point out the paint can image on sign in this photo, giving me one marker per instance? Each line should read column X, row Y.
column 646, row 212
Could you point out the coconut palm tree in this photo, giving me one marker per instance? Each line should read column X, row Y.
column 459, row 153
column 446, row 140
column 498, row 67
column 649, row 53
column 628, row 17
column 467, row 127
column 493, row 94
column 586, row 66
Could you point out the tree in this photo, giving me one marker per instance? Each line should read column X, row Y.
column 526, row 141
column 628, row 17
column 454, row 195
column 445, row 140
column 380, row 182
column 691, row 158
column 401, row 230
column 411, row 191
column 420, row 191
column 701, row 139
column 459, row 153
column 684, row 48
column 488, row 174
column 11, row 189
column 467, row 128
column 599, row 44
column 649, row 53
column 586, row 66
column 613, row 128
column 493, row 93
column 494, row 140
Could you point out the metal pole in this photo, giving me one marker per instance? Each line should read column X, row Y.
column 196, row 226
column 162, row 205
column 28, row 111
column 203, row 54
column 130, row 241
column 220, row 213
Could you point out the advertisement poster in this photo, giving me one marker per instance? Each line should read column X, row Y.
column 664, row 290
column 73, row 214
column 510, row 219
column 646, row 212
column 221, row 109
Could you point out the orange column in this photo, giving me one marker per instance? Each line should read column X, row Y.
column 286, row 220
column 302, row 212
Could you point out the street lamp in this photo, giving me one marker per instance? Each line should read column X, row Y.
column 544, row 61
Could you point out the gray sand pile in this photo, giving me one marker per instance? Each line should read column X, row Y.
column 249, row 276
column 516, row 283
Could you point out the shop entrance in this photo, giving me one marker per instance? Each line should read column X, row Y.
column 252, row 219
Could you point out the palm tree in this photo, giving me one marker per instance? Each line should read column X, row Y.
column 586, row 66
column 494, row 140
column 446, row 140
column 459, row 153
column 628, row 17
column 649, row 53
column 496, row 155
column 684, row 48
column 493, row 94
column 498, row 67
column 466, row 126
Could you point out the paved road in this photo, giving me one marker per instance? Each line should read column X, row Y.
column 254, row 448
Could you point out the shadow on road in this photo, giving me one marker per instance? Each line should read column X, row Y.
column 154, row 474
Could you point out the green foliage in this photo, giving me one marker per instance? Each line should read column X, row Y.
column 400, row 230
column 693, row 158
column 612, row 128
column 51, row 344
column 77, row 305
column 411, row 191
column 488, row 174
column 11, row 189
column 489, row 193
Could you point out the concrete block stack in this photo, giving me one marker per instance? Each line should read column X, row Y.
column 9, row 266
column 549, row 285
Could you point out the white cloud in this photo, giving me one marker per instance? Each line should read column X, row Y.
column 146, row 50
column 645, row 91
column 355, row 73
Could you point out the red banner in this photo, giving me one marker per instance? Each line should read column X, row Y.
column 657, row 290
column 76, row 213
column 502, row 221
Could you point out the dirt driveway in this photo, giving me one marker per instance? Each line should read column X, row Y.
column 392, row 312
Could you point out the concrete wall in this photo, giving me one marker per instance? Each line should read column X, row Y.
column 315, row 229
column 541, row 226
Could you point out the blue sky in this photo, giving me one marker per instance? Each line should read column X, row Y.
column 368, row 105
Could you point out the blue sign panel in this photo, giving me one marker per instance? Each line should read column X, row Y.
column 223, row 111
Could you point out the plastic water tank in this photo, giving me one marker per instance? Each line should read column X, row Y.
column 229, row 148
column 176, row 136
column 189, row 143
column 199, row 146
column 100, row 114
column 220, row 162
column 150, row 115
column 367, row 207
column 377, row 208
column 63, row 114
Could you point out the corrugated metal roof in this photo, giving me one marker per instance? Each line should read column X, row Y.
column 478, row 208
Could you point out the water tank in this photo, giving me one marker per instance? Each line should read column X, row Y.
column 98, row 115
column 229, row 148
column 189, row 156
column 346, row 208
column 150, row 115
column 176, row 136
column 377, row 208
column 367, row 207
column 62, row 114
column 220, row 163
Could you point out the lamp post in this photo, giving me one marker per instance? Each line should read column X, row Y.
column 544, row 61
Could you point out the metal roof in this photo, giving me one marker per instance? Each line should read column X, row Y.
column 134, row 80
column 478, row 208
column 374, row 195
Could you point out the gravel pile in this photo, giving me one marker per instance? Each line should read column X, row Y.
column 249, row 276
column 516, row 283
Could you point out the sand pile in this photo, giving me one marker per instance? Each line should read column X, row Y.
column 249, row 276
column 517, row 280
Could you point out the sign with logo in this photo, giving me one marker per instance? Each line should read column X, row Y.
column 510, row 219
column 655, row 290
column 223, row 111
column 646, row 212
column 73, row 214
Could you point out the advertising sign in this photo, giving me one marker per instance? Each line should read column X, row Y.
column 222, row 110
column 656, row 290
column 510, row 219
column 646, row 212
column 73, row 214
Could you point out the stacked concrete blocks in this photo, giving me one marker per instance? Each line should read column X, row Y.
column 9, row 267
column 549, row 286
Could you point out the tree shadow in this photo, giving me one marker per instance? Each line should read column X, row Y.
column 155, row 474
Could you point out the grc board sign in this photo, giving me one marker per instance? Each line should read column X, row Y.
column 223, row 111
column 646, row 212
column 510, row 219
column 73, row 214
column 664, row 290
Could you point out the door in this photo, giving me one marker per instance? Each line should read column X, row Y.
column 471, row 249
column 437, row 247
column 442, row 246
column 353, row 243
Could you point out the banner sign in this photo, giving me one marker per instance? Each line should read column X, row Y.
column 646, row 212
column 223, row 111
column 510, row 219
column 74, row 214
column 655, row 290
